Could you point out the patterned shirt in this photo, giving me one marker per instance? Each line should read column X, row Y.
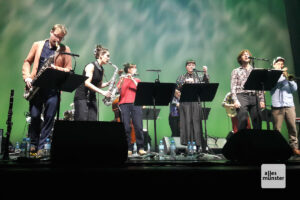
column 239, row 77
column 197, row 79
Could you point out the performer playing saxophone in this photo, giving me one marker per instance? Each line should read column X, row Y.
column 86, row 108
column 44, row 98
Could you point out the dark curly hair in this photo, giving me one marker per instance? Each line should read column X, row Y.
column 99, row 50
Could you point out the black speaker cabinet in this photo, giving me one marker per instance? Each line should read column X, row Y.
column 89, row 142
column 257, row 146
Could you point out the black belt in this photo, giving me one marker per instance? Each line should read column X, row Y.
column 248, row 93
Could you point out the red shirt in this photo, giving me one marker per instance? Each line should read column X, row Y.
column 128, row 90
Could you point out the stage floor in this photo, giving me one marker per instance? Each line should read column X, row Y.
column 209, row 171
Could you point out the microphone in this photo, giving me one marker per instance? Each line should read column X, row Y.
column 153, row 70
column 264, row 59
column 70, row 54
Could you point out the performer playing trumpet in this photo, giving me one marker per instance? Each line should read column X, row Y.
column 283, row 107
column 47, row 98
column 86, row 108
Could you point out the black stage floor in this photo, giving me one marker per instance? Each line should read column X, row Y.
column 205, row 173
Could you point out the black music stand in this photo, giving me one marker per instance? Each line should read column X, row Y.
column 267, row 117
column 154, row 94
column 200, row 92
column 148, row 114
column 63, row 81
column 262, row 80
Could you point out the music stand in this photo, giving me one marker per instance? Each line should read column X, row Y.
column 267, row 117
column 262, row 80
column 154, row 94
column 200, row 92
column 63, row 81
column 148, row 114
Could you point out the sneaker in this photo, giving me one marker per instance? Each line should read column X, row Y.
column 129, row 153
column 296, row 152
column 40, row 153
column 142, row 152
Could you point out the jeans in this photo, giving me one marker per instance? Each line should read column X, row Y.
column 45, row 101
column 134, row 113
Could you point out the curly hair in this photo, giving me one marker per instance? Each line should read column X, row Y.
column 99, row 50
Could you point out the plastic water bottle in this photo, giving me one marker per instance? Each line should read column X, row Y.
column 134, row 149
column 173, row 150
column 17, row 148
column 28, row 147
column 23, row 148
column 161, row 150
column 148, row 148
column 47, row 147
column 189, row 149
column 194, row 148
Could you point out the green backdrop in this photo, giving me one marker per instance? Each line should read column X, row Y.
column 156, row 34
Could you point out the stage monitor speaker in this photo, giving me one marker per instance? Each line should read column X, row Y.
column 257, row 146
column 89, row 142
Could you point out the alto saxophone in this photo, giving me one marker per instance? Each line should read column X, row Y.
column 30, row 92
column 113, row 90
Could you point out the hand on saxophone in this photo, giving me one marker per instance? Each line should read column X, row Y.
column 107, row 93
column 28, row 82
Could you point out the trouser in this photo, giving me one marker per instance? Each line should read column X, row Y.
column 40, row 130
column 85, row 110
column 134, row 113
column 174, row 125
column 288, row 114
column 249, row 103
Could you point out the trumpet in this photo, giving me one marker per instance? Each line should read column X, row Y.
column 289, row 77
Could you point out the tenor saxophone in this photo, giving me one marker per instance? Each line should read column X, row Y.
column 111, row 88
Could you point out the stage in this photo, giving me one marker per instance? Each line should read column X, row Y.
column 208, row 172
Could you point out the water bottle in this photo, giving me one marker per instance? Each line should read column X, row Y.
column 194, row 148
column 47, row 147
column 173, row 150
column 28, row 147
column 134, row 149
column 189, row 149
column 161, row 150
column 148, row 148
column 17, row 148
column 23, row 148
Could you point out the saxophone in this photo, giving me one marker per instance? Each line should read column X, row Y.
column 112, row 89
column 30, row 92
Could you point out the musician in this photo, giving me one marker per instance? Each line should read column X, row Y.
column 127, row 86
column 86, row 108
column 283, row 107
column 245, row 100
column 174, row 115
column 190, row 112
column 231, row 112
column 46, row 99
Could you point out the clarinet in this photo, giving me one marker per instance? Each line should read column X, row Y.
column 9, row 126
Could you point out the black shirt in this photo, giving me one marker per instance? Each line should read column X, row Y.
column 83, row 92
